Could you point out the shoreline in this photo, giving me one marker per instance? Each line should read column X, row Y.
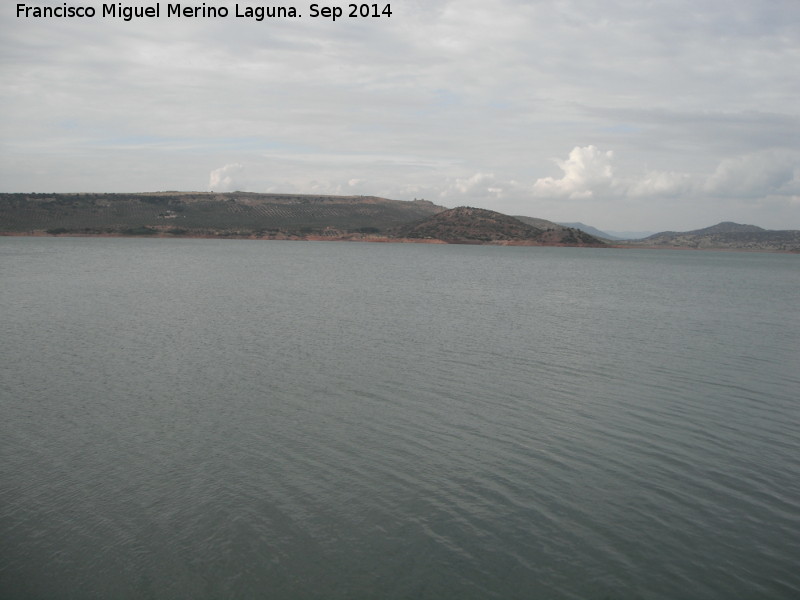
column 374, row 239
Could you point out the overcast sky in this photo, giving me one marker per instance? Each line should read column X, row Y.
column 622, row 114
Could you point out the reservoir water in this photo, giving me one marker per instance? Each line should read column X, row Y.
column 247, row 419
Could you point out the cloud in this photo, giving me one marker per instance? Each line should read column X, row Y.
column 756, row 175
column 479, row 185
column 660, row 184
column 589, row 173
column 224, row 179
column 357, row 186
column 586, row 172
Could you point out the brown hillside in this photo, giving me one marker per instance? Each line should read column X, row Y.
column 725, row 236
column 198, row 213
column 467, row 225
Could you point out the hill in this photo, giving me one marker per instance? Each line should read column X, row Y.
column 543, row 224
column 273, row 216
column 590, row 230
column 725, row 236
column 629, row 235
column 467, row 225
column 236, row 214
column 593, row 231
column 726, row 227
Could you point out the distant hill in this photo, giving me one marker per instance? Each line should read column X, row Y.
column 590, row 230
column 727, row 227
column 467, row 225
column 236, row 214
column 725, row 235
column 629, row 235
column 303, row 216
column 543, row 224
column 609, row 235
column 271, row 216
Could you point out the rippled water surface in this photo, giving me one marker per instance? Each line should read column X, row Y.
column 230, row 419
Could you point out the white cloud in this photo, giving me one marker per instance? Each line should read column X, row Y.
column 590, row 173
column 756, row 175
column 587, row 171
column 224, row 179
column 660, row 184
column 479, row 185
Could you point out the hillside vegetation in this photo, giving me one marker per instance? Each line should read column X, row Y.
column 725, row 235
column 467, row 225
column 272, row 216
column 231, row 214
column 315, row 217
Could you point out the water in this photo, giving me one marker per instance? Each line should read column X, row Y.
column 233, row 419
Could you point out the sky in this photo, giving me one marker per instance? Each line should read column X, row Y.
column 621, row 114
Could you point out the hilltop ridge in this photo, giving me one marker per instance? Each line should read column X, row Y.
column 468, row 225
column 233, row 214
column 726, row 235
column 279, row 216
column 272, row 216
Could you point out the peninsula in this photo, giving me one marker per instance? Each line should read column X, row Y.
column 274, row 217
column 247, row 215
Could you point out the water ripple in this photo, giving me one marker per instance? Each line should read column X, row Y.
column 215, row 419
